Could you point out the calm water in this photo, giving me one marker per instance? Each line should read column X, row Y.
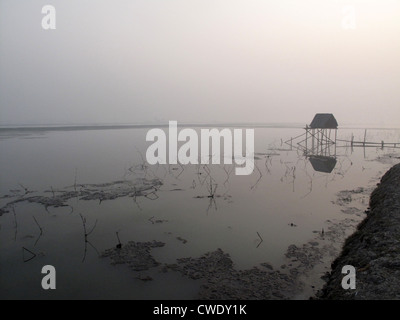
column 283, row 189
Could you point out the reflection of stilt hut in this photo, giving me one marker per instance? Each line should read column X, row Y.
column 323, row 163
column 321, row 135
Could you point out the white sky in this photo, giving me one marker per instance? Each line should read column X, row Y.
column 129, row 61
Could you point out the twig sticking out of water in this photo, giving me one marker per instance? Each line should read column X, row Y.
column 182, row 169
column 310, row 183
column 134, row 198
column 259, row 178
column 143, row 165
column 86, row 234
column 207, row 171
column 25, row 189
column 228, row 173
column 40, row 228
column 268, row 160
column 23, row 256
column 119, row 245
column 261, row 239
column 152, row 195
column 212, row 188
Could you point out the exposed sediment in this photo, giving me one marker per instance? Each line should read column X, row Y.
column 99, row 192
column 374, row 249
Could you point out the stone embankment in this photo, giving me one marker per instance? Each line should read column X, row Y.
column 374, row 249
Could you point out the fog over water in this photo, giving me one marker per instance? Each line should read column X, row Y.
column 151, row 61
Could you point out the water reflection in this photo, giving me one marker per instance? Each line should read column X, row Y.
column 89, row 193
column 322, row 163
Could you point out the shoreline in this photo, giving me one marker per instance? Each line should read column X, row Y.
column 373, row 249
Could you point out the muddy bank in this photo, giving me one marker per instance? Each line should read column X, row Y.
column 219, row 279
column 374, row 249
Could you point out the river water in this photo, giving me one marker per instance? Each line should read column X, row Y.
column 254, row 218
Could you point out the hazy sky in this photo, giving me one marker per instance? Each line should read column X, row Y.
column 129, row 61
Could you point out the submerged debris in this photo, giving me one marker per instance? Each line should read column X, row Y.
column 184, row 241
column 345, row 197
column 101, row 192
column 222, row 281
column 135, row 254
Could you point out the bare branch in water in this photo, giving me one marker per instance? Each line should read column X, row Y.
column 23, row 256
column 86, row 234
column 119, row 245
column 40, row 228
column 95, row 224
column 259, row 178
column 228, row 174
column 261, row 239
column 25, row 189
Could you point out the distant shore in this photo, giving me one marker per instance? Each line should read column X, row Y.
column 114, row 126
column 374, row 249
